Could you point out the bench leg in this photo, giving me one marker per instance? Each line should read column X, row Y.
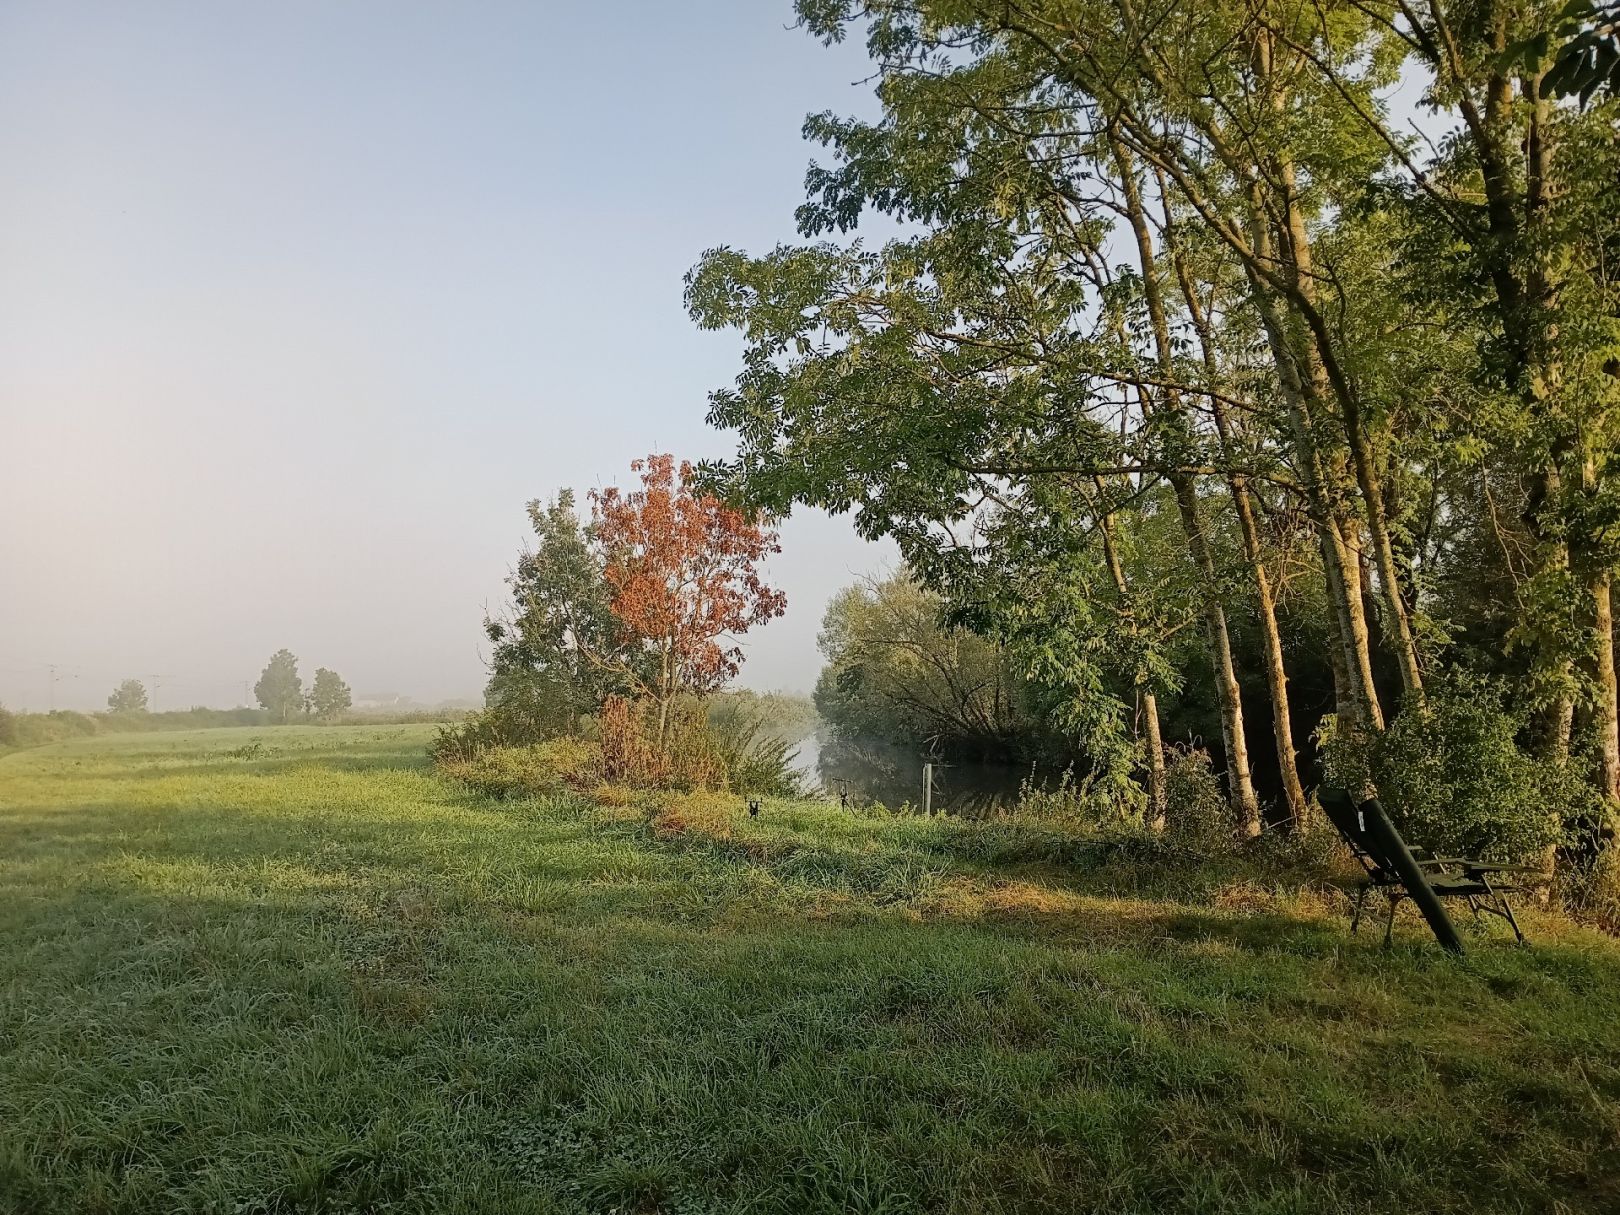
column 1361, row 899
column 1507, row 914
column 1389, row 924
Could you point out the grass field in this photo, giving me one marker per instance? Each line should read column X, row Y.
column 293, row 970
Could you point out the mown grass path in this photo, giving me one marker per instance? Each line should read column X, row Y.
column 293, row 970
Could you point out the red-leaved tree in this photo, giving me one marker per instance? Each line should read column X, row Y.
column 682, row 570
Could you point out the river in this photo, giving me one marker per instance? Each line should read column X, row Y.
column 873, row 772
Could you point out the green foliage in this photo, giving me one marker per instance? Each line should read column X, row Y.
column 734, row 742
column 756, row 744
column 1584, row 42
column 329, row 696
column 128, row 697
column 279, row 691
column 59, row 725
column 1455, row 779
column 456, row 741
column 556, row 648
column 1342, row 341
column 896, row 672
column 1196, row 813
column 786, row 715
column 1087, row 802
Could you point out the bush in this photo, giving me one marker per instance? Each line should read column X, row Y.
column 459, row 742
column 1088, row 803
column 8, row 728
column 732, row 743
column 1454, row 779
column 686, row 757
column 756, row 753
column 1196, row 814
column 38, row 729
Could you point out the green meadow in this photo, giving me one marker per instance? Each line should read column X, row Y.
column 293, row 970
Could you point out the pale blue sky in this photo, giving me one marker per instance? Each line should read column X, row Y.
column 300, row 303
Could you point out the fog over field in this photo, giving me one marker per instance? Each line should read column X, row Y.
column 301, row 303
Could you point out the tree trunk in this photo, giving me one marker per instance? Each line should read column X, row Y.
column 1150, row 701
column 1243, row 506
column 1155, row 747
column 1322, row 370
column 1351, row 560
column 1358, row 701
column 1228, row 691
column 1606, row 712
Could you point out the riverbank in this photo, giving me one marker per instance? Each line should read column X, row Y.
column 295, row 970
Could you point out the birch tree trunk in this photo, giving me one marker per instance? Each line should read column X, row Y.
column 1240, row 780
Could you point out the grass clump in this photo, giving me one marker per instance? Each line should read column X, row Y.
column 325, row 979
column 553, row 766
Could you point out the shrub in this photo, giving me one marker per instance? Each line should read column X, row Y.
column 1088, row 802
column 736, row 749
column 458, row 742
column 1196, row 814
column 634, row 754
column 758, row 757
column 1454, row 778
column 59, row 725
column 8, row 728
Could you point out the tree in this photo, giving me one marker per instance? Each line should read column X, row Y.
column 682, row 573
column 280, row 691
column 329, row 696
column 128, row 697
column 897, row 673
column 558, row 650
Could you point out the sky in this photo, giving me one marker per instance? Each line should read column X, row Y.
column 301, row 302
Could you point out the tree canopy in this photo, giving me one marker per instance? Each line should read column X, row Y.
column 128, row 697
column 1179, row 274
column 329, row 696
column 646, row 600
column 279, row 690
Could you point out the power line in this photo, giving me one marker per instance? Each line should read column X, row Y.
column 54, row 680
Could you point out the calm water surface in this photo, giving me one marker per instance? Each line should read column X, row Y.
column 876, row 772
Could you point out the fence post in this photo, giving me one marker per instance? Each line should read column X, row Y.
column 928, row 788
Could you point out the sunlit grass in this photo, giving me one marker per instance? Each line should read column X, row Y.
column 293, row 970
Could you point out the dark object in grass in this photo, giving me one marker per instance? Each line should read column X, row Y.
column 753, row 807
column 1400, row 872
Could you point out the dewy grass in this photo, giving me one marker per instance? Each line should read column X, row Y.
column 292, row 970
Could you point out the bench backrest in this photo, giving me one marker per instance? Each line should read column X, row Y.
column 1352, row 823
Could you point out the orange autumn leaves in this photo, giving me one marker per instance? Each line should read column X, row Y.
column 682, row 574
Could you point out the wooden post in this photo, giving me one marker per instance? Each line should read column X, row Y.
column 928, row 789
